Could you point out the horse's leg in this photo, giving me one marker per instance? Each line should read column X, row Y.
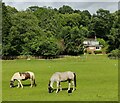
column 60, row 86
column 51, row 84
column 57, row 87
column 20, row 83
column 34, row 82
column 31, row 81
column 69, row 84
column 73, row 86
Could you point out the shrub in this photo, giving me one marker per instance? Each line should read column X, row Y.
column 114, row 54
column 98, row 52
column 89, row 52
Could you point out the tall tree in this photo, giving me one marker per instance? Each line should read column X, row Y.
column 114, row 36
column 101, row 23
column 49, row 20
column 65, row 9
column 6, row 25
column 24, row 29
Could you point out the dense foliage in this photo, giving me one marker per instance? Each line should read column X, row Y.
column 114, row 54
column 44, row 31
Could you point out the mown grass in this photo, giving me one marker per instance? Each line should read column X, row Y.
column 97, row 79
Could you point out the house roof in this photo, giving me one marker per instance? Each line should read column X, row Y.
column 91, row 42
column 93, row 45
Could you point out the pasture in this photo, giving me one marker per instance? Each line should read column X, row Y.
column 97, row 79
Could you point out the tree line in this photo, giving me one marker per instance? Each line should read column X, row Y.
column 47, row 31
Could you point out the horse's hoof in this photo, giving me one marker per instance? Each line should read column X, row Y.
column 69, row 91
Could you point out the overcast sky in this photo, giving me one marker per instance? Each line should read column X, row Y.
column 91, row 5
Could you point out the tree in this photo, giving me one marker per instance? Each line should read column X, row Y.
column 72, row 20
column 114, row 36
column 6, row 25
column 65, row 9
column 87, row 13
column 98, row 26
column 6, row 20
column 24, row 29
column 85, row 18
column 50, row 47
column 11, row 10
column 114, row 41
column 73, row 39
column 101, row 23
column 114, row 54
column 49, row 20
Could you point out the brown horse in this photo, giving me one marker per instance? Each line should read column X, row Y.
column 61, row 77
column 23, row 76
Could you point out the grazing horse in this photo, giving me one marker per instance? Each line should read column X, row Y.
column 61, row 77
column 21, row 77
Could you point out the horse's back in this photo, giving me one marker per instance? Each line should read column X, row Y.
column 71, row 74
column 23, row 75
column 68, row 75
column 32, row 75
column 29, row 72
column 62, row 76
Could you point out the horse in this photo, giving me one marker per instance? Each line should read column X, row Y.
column 21, row 76
column 62, row 77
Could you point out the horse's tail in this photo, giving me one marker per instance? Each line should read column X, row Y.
column 49, row 83
column 34, row 83
column 74, row 79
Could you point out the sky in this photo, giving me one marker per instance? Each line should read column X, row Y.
column 91, row 5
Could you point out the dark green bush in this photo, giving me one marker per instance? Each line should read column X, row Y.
column 98, row 52
column 89, row 52
column 115, row 54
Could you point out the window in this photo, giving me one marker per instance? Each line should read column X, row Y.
column 98, row 48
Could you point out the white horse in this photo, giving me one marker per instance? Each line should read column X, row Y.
column 23, row 76
column 61, row 77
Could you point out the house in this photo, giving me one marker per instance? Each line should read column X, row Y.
column 91, row 46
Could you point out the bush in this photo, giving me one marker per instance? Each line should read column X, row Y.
column 89, row 52
column 98, row 52
column 114, row 54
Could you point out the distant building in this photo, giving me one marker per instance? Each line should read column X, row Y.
column 92, row 45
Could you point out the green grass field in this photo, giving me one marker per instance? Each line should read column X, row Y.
column 97, row 79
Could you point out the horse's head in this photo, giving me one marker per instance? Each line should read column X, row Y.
column 50, row 89
column 11, row 84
